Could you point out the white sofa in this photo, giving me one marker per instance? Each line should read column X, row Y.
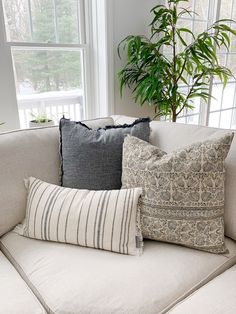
column 46, row 277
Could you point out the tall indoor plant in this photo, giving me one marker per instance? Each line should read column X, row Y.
column 156, row 78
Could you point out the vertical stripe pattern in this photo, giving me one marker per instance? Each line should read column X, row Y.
column 99, row 219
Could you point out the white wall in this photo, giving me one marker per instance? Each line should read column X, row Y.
column 130, row 17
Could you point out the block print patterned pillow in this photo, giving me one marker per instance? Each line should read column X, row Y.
column 183, row 191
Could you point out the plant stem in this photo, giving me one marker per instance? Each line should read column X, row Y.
column 189, row 93
column 174, row 115
column 174, row 93
column 182, row 70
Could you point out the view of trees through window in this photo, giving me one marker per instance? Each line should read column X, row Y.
column 47, row 52
column 48, row 21
column 43, row 70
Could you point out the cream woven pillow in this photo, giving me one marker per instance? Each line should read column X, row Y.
column 183, row 191
column 105, row 220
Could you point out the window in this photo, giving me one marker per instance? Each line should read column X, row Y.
column 221, row 110
column 49, row 50
column 197, row 23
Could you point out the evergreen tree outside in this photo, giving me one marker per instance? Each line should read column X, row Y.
column 52, row 22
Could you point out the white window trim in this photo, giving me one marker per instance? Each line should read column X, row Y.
column 102, row 57
column 8, row 104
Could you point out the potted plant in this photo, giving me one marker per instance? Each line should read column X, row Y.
column 157, row 78
column 40, row 120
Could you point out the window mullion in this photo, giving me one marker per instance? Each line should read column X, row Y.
column 78, row 19
column 45, row 45
column 213, row 14
column 81, row 13
column 204, row 107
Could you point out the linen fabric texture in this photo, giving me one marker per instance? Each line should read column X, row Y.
column 73, row 279
column 183, row 191
column 105, row 220
column 15, row 294
column 92, row 159
column 217, row 296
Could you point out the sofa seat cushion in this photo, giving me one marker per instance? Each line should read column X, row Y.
column 72, row 279
column 217, row 297
column 15, row 296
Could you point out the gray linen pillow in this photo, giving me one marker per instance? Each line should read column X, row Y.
column 92, row 159
column 183, row 191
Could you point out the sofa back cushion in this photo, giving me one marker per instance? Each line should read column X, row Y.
column 25, row 153
column 171, row 136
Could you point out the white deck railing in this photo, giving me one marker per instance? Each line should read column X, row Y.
column 54, row 104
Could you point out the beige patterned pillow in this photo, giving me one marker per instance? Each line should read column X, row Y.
column 105, row 219
column 183, row 191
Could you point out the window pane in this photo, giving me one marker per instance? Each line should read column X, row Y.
column 196, row 104
column 199, row 27
column 201, row 8
column 188, row 4
column 44, row 21
column 232, row 63
column 193, row 119
column 225, row 9
column 181, row 120
column 234, row 11
column 233, row 43
column 233, row 125
column 225, row 119
column 17, row 20
column 217, row 94
column 222, row 57
column 182, row 23
column 228, row 96
column 49, row 81
column 214, row 119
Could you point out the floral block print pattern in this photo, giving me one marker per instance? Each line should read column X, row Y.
column 183, row 191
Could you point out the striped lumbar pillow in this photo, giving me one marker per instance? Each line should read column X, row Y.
column 100, row 219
